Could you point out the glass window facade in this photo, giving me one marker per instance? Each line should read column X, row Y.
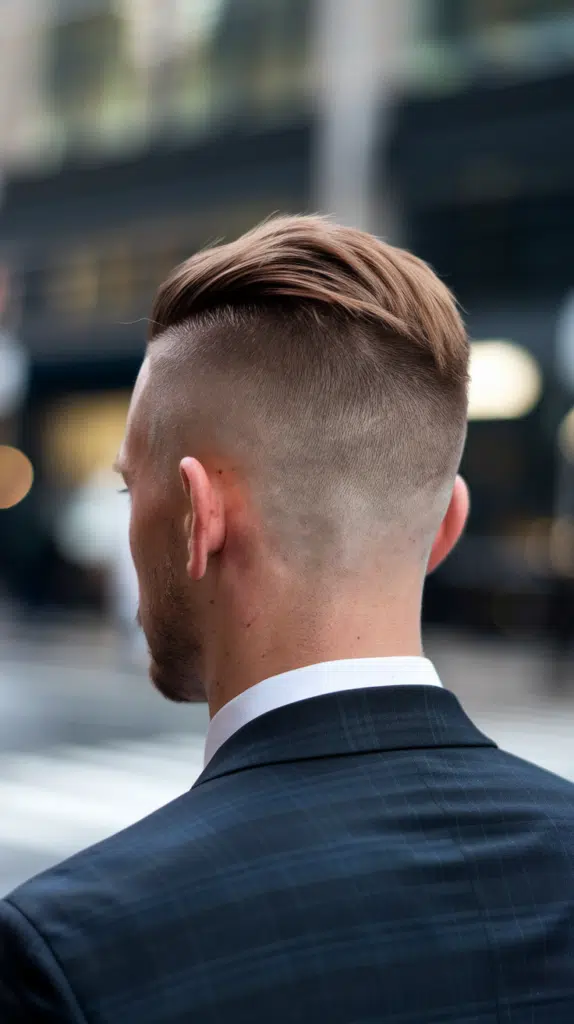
column 113, row 75
column 459, row 17
column 458, row 41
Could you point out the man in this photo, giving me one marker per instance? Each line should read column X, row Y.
column 355, row 851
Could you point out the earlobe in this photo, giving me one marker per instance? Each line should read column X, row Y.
column 452, row 526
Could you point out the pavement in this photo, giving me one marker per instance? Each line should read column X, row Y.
column 87, row 747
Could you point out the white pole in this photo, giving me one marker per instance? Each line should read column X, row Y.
column 358, row 47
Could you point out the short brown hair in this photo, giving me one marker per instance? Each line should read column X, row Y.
column 341, row 363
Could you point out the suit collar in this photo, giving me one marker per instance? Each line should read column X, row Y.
column 314, row 680
column 348, row 722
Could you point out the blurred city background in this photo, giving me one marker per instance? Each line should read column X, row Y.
column 132, row 133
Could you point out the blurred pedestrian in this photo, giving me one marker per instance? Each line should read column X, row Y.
column 355, row 850
column 93, row 532
column 123, row 596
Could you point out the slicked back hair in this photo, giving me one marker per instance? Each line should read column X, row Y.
column 335, row 366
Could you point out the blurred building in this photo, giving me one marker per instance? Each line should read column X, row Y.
column 483, row 157
column 131, row 133
column 134, row 132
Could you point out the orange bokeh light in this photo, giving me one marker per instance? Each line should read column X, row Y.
column 16, row 476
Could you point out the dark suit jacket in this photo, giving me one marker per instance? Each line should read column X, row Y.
column 356, row 858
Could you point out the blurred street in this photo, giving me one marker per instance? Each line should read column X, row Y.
column 87, row 746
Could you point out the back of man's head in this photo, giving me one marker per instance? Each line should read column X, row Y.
column 333, row 368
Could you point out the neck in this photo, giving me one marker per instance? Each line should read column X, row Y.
column 349, row 626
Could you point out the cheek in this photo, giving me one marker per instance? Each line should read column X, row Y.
column 157, row 541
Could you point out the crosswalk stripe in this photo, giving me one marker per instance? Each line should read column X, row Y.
column 73, row 796
column 542, row 736
column 161, row 761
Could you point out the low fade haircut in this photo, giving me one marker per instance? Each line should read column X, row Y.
column 334, row 368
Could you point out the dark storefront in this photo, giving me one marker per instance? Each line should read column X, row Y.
column 486, row 182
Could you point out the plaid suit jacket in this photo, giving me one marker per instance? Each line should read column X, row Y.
column 357, row 858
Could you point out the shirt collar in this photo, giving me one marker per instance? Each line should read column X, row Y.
column 314, row 681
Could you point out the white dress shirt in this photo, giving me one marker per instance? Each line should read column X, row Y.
column 314, row 681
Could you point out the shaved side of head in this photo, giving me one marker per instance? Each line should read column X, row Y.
column 330, row 370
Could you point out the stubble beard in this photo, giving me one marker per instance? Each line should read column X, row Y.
column 175, row 648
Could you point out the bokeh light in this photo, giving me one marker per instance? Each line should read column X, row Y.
column 505, row 381
column 16, row 476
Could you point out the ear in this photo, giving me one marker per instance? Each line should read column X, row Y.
column 452, row 525
column 206, row 517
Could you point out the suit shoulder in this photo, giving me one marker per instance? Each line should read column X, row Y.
column 540, row 781
column 136, row 888
column 122, row 862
